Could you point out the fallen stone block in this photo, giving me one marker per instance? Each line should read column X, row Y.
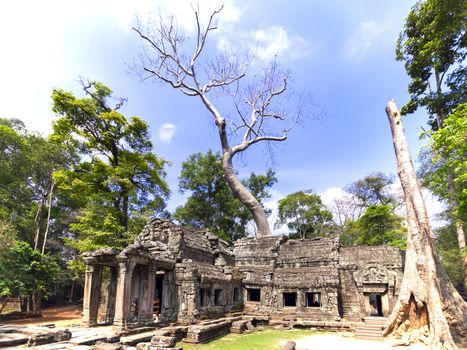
column 163, row 341
column 249, row 326
column 290, row 345
column 107, row 346
column 51, row 337
column 150, row 346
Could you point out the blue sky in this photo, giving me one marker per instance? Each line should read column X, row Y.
column 340, row 51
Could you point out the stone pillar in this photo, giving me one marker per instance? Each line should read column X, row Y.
column 147, row 306
column 92, row 281
column 123, row 294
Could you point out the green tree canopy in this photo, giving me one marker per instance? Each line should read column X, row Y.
column 373, row 189
column 378, row 225
column 24, row 271
column 119, row 181
column 27, row 162
column 304, row 214
column 433, row 46
column 211, row 203
column 445, row 157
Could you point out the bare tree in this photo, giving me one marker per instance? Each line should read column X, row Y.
column 345, row 209
column 428, row 308
column 259, row 106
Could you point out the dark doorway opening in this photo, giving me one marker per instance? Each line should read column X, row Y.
column 376, row 306
column 158, row 294
column 290, row 299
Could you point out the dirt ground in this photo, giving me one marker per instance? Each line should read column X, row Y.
column 338, row 342
column 62, row 316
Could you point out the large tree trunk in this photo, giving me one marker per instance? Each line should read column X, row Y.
column 455, row 206
column 242, row 193
column 4, row 302
column 37, row 221
column 428, row 309
column 49, row 210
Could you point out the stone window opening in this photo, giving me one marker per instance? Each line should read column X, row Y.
column 290, row 299
column 313, row 299
column 254, row 294
column 217, row 297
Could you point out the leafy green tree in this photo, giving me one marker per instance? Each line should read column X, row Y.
column 211, row 203
column 433, row 46
column 373, row 189
column 304, row 214
column 119, row 181
column 380, row 225
column 25, row 271
column 16, row 204
column 444, row 166
column 27, row 162
column 446, row 244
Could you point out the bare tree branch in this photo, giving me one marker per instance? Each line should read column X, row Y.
column 260, row 103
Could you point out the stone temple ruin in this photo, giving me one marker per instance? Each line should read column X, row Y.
column 172, row 275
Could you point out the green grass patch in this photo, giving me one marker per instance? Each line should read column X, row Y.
column 258, row 340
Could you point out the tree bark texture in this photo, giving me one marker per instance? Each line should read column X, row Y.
column 245, row 196
column 37, row 221
column 429, row 309
column 49, row 210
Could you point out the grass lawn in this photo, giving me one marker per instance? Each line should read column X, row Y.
column 258, row 340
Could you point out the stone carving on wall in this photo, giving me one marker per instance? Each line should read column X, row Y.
column 373, row 274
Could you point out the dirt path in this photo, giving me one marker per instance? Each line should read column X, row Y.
column 61, row 316
column 331, row 341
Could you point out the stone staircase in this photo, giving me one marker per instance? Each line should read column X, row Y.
column 371, row 329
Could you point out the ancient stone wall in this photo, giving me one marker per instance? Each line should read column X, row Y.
column 365, row 271
column 174, row 274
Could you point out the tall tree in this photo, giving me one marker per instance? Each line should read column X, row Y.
column 119, row 181
column 258, row 101
column 211, row 203
column 378, row 225
column 27, row 162
column 24, row 271
column 444, row 169
column 433, row 46
column 428, row 302
column 304, row 214
column 373, row 189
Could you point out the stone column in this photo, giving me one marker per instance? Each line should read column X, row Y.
column 92, row 281
column 123, row 294
column 147, row 306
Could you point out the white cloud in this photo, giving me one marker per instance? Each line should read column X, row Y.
column 267, row 43
column 366, row 36
column 167, row 132
column 272, row 203
column 183, row 11
column 332, row 193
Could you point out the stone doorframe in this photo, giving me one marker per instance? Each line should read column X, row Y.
column 375, row 279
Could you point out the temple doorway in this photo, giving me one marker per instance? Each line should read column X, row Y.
column 106, row 295
column 158, row 293
column 376, row 305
